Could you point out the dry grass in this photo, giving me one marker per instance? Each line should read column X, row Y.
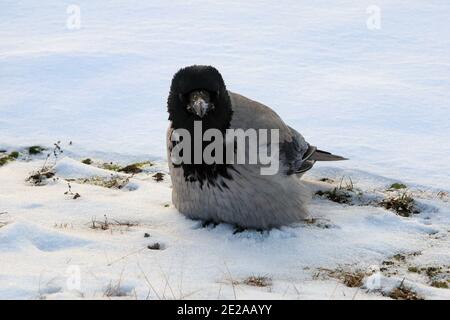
column 438, row 276
column 113, row 182
column 136, row 167
column 33, row 150
column 432, row 271
column 258, row 281
column 399, row 257
column 115, row 290
column 63, row 225
column 74, row 195
column 397, row 186
column 354, row 280
column 154, row 246
column 87, row 161
column 398, row 201
column 402, row 204
column 404, row 293
column 340, row 194
column 110, row 166
column 351, row 279
column 39, row 178
column 336, row 195
column 440, row 284
column 323, row 224
column 9, row 158
column 413, row 269
column 133, row 168
column 108, row 225
column 442, row 195
column 159, row 176
column 102, row 225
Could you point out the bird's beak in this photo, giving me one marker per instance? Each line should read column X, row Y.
column 200, row 107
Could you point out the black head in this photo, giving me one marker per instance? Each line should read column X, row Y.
column 198, row 93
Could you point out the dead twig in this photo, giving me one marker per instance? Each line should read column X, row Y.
column 232, row 281
column 148, row 282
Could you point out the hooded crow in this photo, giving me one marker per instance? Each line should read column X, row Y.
column 226, row 190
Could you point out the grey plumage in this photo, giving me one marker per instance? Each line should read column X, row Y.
column 243, row 196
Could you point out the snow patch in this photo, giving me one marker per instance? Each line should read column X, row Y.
column 71, row 169
column 20, row 236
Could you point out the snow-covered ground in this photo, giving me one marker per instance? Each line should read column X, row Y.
column 379, row 97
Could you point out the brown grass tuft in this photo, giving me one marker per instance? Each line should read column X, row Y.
column 403, row 293
column 403, row 205
column 258, row 281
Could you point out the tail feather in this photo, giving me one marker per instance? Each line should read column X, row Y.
column 312, row 155
column 320, row 155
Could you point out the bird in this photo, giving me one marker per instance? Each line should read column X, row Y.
column 234, row 193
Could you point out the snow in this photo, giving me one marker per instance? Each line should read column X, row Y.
column 21, row 235
column 378, row 97
column 70, row 169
